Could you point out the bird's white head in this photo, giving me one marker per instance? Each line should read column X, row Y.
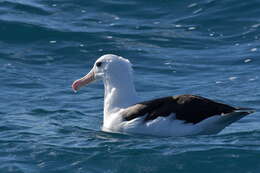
column 112, row 68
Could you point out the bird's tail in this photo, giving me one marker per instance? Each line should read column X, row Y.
column 239, row 113
column 219, row 123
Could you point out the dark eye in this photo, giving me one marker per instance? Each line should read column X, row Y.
column 98, row 64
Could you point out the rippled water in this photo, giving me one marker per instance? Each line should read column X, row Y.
column 207, row 47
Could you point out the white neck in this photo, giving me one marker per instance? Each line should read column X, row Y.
column 119, row 93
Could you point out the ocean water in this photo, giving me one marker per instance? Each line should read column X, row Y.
column 203, row 47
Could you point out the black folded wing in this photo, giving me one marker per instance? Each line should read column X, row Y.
column 189, row 108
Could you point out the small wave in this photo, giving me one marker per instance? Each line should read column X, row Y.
column 40, row 111
column 25, row 6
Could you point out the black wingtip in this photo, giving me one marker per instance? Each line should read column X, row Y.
column 248, row 110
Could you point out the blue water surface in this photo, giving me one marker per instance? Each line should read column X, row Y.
column 203, row 47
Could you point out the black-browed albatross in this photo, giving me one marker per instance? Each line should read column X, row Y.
column 169, row 116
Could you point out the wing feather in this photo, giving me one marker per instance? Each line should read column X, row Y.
column 190, row 108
